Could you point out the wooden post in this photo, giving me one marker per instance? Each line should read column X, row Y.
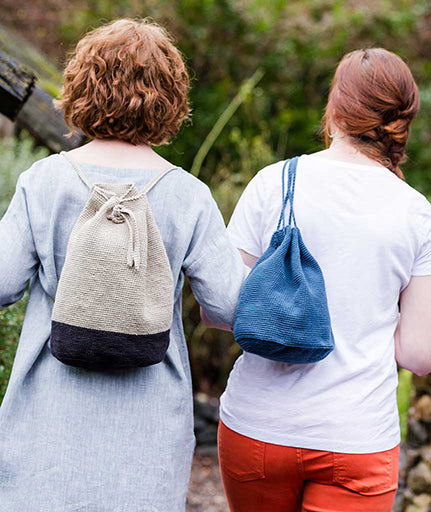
column 16, row 85
column 28, row 85
column 46, row 124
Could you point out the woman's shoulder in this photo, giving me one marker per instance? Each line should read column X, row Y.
column 190, row 186
column 56, row 170
column 271, row 172
column 309, row 163
column 47, row 171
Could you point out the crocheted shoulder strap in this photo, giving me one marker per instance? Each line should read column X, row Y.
column 145, row 190
column 290, row 193
column 77, row 168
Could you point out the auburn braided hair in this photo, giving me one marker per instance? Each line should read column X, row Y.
column 373, row 100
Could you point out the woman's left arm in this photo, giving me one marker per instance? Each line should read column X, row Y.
column 213, row 265
column 18, row 256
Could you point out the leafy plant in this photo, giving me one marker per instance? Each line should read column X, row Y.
column 10, row 327
column 16, row 155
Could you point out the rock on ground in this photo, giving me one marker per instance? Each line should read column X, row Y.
column 206, row 490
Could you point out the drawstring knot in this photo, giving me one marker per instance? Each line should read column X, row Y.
column 119, row 215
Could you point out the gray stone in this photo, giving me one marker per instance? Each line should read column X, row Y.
column 207, row 436
column 421, row 503
column 207, row 408
column 404, row 459
column 419, row 479
column 422, row 500
column 422, row 385
column 399, row 502
column 413, row 457
column 425, row 454
column 417, row 434
column 415, row 508
column 422, row 408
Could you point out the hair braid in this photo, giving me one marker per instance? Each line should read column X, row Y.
column 373, row 100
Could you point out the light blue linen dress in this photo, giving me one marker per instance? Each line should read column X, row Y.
column 74, row 440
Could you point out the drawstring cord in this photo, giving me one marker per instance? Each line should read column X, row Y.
column 121, row 214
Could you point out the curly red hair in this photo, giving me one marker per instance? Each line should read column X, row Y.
column 126, row 80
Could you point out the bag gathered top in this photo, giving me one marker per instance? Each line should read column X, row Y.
column 114, row 303
column 282, row 312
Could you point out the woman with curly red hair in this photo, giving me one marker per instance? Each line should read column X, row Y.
column 325, row 436
column 123, row 440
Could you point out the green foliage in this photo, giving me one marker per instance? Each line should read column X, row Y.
column 297, row 44
column 418, row 168
column 403, row 395
column 10, row 327
column 16, row 155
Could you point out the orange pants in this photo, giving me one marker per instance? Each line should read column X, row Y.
column 263, row 477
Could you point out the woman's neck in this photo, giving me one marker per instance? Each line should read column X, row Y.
column 341, row 149
column 117, row 153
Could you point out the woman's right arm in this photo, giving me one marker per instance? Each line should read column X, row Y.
column 18, row 257
column 413, row 333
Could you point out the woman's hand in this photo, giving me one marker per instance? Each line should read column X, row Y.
column 212, row 325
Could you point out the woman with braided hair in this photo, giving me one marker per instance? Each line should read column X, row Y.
column 325, row 436
column 370, row 109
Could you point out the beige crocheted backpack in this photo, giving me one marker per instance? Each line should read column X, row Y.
column 114, row 302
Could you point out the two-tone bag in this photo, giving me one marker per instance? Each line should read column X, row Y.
column 114, row 303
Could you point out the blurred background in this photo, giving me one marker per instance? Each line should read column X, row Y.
column 261, row 72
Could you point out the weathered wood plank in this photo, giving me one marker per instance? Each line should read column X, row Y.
column 38, row 114
column 49, row 77
column 16, row 84
column 39, row 117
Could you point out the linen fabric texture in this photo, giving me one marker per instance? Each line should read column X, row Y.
column 114, row 302
column 370, row 233
column 282, row 312
column 120, row 440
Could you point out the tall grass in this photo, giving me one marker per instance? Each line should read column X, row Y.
column 404, row 392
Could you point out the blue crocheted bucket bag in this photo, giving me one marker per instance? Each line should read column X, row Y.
column 282, row 312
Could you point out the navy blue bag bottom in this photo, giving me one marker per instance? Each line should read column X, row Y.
column 96, row 350
column 277, row 352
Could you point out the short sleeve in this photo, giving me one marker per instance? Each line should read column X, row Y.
column 213, row 265
column 422, row 262
column 18, row 257
column 245, row 225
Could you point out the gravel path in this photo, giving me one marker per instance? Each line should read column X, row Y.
column 206, row 490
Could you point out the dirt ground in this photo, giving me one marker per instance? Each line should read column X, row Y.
column 205, row 489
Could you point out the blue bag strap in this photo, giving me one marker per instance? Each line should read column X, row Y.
column 291, row 179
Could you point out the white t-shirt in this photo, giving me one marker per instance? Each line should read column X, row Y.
column 370, row 232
